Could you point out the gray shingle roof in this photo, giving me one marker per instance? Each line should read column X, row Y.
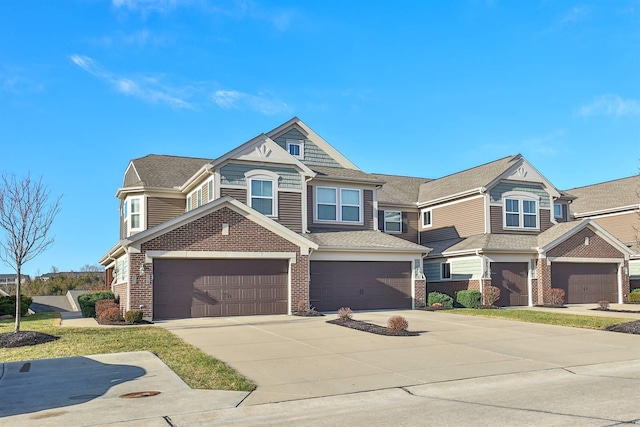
column 362, row 239
column 466, row 180
column 606, row 195
column 399, row 189
column 551, row 234
column 343, row 173
column 166, row 171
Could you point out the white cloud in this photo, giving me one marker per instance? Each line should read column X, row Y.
column 262, row 102
column 147, row 5
column 610, row 105
column 147, row 89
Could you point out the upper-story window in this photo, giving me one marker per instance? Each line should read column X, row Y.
column 262, row 191
column 426, row 218
column 520, row 212
column 393, row 221
column 295, row 148
column 557, row 210
column 210, row 190
column 445, row 271
column 338, row 204
column 132, row 214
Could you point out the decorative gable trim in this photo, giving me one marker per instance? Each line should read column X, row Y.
column 315, row 138
column 131, row 165
column 524, row 171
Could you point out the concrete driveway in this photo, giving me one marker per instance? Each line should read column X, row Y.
column 294, row 358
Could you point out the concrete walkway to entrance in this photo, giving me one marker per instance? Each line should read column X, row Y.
column 295, row 357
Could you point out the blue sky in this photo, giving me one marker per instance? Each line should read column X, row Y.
column 422, row 88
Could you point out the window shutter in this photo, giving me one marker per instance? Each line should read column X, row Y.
column 380, row 220
column 405, row 227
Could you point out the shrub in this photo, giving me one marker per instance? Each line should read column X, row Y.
column 636, row 291
column 104, row 304
column 556, row 296
column 8, row 305
column 469, row 299
column 133, row 316
column 491, row 295
column 88, row 302
column 634, row 297
column 111, row 314
column 604, row 304
column 345, row 313
column 437, row 297
column 302, row 306
column 397, row 324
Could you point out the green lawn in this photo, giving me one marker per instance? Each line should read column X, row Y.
column 196, row 368
column 545, row 317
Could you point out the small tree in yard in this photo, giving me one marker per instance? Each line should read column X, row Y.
column 26, row 214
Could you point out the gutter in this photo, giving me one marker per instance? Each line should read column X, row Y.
column 479, row 190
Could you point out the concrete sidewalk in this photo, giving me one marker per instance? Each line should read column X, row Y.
column 79, row 391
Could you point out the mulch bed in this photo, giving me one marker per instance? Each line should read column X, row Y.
column 123, row 323
column 24, row 338
column 626, row 328
column 615, row 311
column 550, row 306
column 370, row 327
column 308, row 313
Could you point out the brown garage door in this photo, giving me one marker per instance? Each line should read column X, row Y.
column 361, row 285
column 585, row 283
column 205, row 288
column 511, row 279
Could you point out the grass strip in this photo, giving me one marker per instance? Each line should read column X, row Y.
column 197, row 369
column 545, row 317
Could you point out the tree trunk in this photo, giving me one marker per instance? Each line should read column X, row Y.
column 18, row 305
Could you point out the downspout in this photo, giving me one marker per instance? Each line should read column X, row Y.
column 482, row 270
column 305, row 207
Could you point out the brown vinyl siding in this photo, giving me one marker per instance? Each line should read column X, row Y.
column 621, row 226
column 497, row 224
column 240, row 194
column 367, row 214
column 123, row 230
column 161, row 209
column 461, row 219
column 290, row 210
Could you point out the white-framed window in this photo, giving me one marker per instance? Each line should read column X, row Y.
column 521, row 212
column 198, row 197
column 557, row 210
column 189, row 203
column 262, row 191
column 393, row 221
column 295, row 148
column 426, row 218
column 210, row 190
column 132, row 214
column 338, row 204
column 445, row 271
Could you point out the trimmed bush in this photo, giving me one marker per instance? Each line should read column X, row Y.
column 491, row 295
column 634, row 297
column 439, row 298
column 104, row 304
column 636, row 291
column 345, row 313
column 88, row 302
column 469, row 298
column 397, row 324
column 111, row 314
column 604, row 304
column 133, row 316
column 556, row 296
column 8, row 305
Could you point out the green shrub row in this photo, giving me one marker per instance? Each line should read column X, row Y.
column 88, row 302
column 634, row 297
column 8, row 305
column 469, row 298
column 437, row 297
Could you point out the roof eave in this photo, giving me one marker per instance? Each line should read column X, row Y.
column 479, row 190
column 371, row 249
column 607, row 211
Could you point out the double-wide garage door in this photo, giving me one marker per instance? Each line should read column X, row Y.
column 585, row 283
column 360, row 285
column 204, row 288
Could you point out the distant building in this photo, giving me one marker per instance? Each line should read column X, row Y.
column 8, row 281
column 69, row 274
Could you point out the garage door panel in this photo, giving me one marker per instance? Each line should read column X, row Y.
column 361, row 285
column 205, row 288
column 585, row 283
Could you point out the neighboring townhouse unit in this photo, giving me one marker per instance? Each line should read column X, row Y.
column 8, row 281
column 615, row 206
column 282, row 220
column 504, row 224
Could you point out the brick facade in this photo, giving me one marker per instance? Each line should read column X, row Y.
column 421, row 293
column 205, row 234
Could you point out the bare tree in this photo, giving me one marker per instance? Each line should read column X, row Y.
column 27, row 212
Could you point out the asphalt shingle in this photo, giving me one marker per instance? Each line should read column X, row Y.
column 166, row 171
column 606, row 195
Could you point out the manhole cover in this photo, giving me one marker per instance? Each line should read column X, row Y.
column 137, row 394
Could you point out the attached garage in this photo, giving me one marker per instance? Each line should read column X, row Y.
column 360, row 285
column 511, row 279
column 586, row 283
column 219, row 287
